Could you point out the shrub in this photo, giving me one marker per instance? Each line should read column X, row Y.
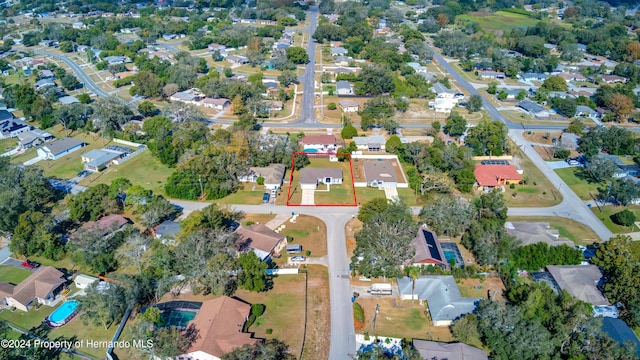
column 561, row 154
column 257, row 309
column 349, row 131
column 358, row 316
column 512, row 186
column 624, row 217
column 250, row 321
column 331, row 106
column 268, row 331
column 260, row 180
column 307, row 253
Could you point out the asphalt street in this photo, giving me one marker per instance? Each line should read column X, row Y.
column 78, row 72
column 308, row 78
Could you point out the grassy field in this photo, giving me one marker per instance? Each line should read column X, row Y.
column 13, row 275
column 604, row 213
column 318, row 314
column 69, row 165
column 577, row 232
column 581, row 187
column 499, row 20
column 244, row 196
column 257, row 219
column 308, row 231
column 7, row 144
column 537, row 192
column 143, row 170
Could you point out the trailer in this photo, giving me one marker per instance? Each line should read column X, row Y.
column 380, row 289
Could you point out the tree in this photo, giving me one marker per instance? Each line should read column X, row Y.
column 73, row 116
column 442, row 20
column 436, row 182
column 34, row 236
column 70, row 82
column 66, row 46
column 180, row 112
column 237, row 106
column 147, row 108
column 456, row 125
column 383, row 244
column 521, row 95
column 371, row 208
column 576, row 127
column 252, row 274
column 92, row 204
column 488, row 138
column 561, row 153
column 268, row 350
column 633, row 50
column 447, row 215
column 148, row 84
column 625, row 191
column 374, row 80
column 104, row 306
column 537, row 256
column 554, row 83
column 621, row 105
column 624, row 217
column 157, row 211
column 287, row 77
column 475, row 103
column 297, row 55
column 84, row 98
column 110, row 114
column 493, row 88
column 349, row 131
column 599, row 169
column 436, row 126
column 331, row 106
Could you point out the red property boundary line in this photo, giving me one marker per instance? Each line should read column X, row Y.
column 293, row 160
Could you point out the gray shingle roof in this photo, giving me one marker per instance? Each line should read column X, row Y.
column 442, row 295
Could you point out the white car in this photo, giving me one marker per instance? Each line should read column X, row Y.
column 298, row 258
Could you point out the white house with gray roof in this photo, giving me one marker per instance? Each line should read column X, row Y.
column 343, row 87
column 311, row 177
column 442, row 91
column 60, row 148
column 371, row 143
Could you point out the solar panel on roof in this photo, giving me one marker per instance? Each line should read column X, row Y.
column 494, row 162
column 431, row 244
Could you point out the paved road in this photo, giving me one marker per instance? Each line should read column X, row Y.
column 308, row 78
column 78, row 72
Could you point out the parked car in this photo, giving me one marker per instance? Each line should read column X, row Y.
column 459, row 96
column 298, row 258
column 30, row 264
column 265, row 198
column 83, row 173
column 274, row 192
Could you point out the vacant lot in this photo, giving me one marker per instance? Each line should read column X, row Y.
column 316, row 345
column 580, row 186
column 308, row 231
column 13, row 275
column 144, row 170
column 499, row 20
column 538, row 190
column 247, row 195
column 257, row 219
column 577, row 232
column 401, row 319
column 477, row 288
column 604, row 213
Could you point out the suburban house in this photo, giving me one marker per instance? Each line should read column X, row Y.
column 444, row 105
column 166, row 231
column 116, row 59
column 349, row 106
column 219, row 324
column 311, row 177
column 585, row 111
column 45, row 74
column 83, row 281
column 106, row 225
column 221, row 49
column 573, row 77
column 12, row 127
column 35, row 137
column 419, row 69
column 338, row 51
column 442, row 91
column 343, row 60
column 340, row 70
column 533, row 109
column 370, row 143
column 581, row 281
column 442, row 295
column 428, row 249
column 40, row 287
column 67, row 100
column 613, row 79
column 490, row 177
column 272, row 174
column 623, row 170
column 97, row 159
column 498, row 75
column 187, row 96
column 319, row 143
column 434, row 350
column 60, row 148
column 380, row 174
column 536, row 232
column 619, row 331
column 218, row 104
column 42, row 83
column 273, row 105
column 343, row 87
column 264, row 242
column 534, row 77
column 237, row 59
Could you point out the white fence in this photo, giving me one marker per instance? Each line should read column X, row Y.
column 128, row 143
column 281, row 271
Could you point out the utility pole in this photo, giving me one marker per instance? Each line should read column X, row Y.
column 201, row 188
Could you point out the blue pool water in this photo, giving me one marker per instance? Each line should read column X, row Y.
column 61, row 314
column 311, row 150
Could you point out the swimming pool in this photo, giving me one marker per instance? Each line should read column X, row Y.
column 63, row 314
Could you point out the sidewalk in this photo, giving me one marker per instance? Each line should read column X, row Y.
column 277, row 221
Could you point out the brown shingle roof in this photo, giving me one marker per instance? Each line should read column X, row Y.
column 257, row 236
column 107, row 223
column 319, row 140
column 38, row 284
column 219, row 323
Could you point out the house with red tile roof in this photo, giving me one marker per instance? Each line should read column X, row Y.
column 490, row 177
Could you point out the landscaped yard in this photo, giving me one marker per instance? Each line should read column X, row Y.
column 144, row 170
column 582, row 188
column 13, row 275
column 247, row 195
column 69, row 165
column 604, row 213
column 7, row 145
column 308, row 231
column 577, row 232
column 339, row 194
column 538, row 190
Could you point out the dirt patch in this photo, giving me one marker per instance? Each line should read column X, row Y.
column 257, row 218
column 542, row 137
column 308, row 231
column 352, row 227
column 316, row 345
column 477, row 288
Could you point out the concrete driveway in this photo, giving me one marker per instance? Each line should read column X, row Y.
column 391, row 193
column 308, row 197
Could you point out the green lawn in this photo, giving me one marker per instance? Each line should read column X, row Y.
column 537, row 192
column 143, row 170
column 27, row 155
column 7, row 144
column 69, row 165
column 581, row 187
column 500, row 20
column 408, row 195
column 13, row 275
column 26, row 319
column 604, row 213
column 577, row 232
column 244, row 196
column 339, row 194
